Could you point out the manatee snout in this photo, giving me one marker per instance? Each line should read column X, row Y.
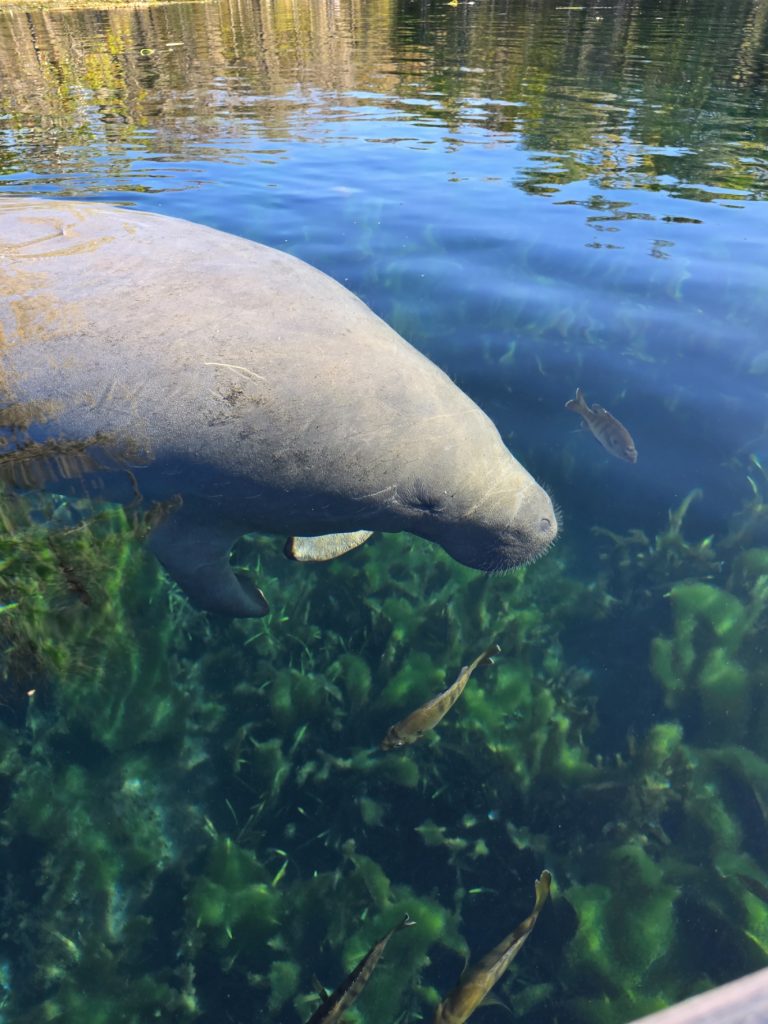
column 535, row 528
column 496, row 540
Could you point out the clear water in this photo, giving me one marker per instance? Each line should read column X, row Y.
column 539, row 196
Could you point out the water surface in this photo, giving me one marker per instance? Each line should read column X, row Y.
column 540, row 196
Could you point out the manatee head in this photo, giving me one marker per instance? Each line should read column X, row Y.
column 489, row 515
column 499, row 536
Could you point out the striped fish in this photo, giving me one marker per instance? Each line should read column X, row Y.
column 413, row 726
column 338, row 1002
column 611, row 434
column 480, row 979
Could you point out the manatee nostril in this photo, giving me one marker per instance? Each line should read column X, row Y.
column 545, row 525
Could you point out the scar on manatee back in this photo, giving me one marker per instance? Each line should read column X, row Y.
column 57, row 230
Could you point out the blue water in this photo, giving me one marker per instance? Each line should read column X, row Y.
column 539, row 196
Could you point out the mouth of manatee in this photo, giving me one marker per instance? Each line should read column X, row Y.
column 263, row 396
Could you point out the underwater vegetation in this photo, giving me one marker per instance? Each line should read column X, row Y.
column 426, row 717
column 197, row 819
column 476, row 981
column 335, row 1004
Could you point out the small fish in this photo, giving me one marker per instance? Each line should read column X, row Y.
column 480, row 979
column 413, row 726
column 611, row 434
column 338, row 1002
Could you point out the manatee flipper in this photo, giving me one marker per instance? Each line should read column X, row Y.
column 195, row 552
column 323, row 549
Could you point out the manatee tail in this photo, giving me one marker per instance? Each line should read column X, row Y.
column 195, row 554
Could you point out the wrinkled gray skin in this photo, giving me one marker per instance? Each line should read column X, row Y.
column 258, row 389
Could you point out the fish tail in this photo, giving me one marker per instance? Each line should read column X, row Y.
column 542, row 886
column 577, row 404
column 486, row 658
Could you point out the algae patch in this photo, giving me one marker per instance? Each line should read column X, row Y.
column 203, row 808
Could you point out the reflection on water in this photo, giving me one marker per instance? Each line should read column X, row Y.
column 625, row 94
column 541, row 195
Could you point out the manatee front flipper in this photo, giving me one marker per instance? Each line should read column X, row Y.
column 195, row 552
column 323, row 549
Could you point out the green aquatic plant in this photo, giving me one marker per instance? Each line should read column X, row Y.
column 232, row 900
column 220, row 785
column 434, row 926
column 87, row 673
column 74, row 585
column 607, row 955
column 97, row 839
column 699, row 665
column 747, row 527
column 639, row 568
column 708, row 667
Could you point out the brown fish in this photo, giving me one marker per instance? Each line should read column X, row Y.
column 334, row 1005
column 611, row 434
column 480, row 979
column 413, row 726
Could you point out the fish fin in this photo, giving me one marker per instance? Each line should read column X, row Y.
column 542, row 886
column 195, row 552
column 491, row 1000
column 486, row 658
column 489, row 654
column 464, row 969
column 577, row 404
column 324, row 548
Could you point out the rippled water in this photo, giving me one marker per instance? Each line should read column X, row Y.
column 540, row 196
column 536, row 195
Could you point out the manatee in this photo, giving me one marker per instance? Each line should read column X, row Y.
column 145, row 356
